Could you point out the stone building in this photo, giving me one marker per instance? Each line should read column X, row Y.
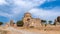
column 30, row 21
column 11, row 23
column 7, row 24
column 57, row 21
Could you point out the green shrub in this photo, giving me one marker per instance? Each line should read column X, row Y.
column 19, row 23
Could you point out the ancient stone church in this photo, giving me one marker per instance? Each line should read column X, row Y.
column 30, row 21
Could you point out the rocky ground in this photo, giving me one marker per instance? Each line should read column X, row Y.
column 12, row 30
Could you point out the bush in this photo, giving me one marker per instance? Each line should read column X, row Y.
column 20, row 23
column 1, row 23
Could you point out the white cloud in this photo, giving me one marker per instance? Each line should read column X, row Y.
column 2, row 2
column 21, row 6
column 45, row 14
column 5, row 14
column 25, row 5
column 28, row 2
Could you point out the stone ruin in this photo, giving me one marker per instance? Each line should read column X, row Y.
column 36, row 22
column 29, row 22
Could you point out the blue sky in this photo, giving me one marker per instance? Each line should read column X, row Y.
column 15, row 9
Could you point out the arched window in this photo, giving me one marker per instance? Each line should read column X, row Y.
column 28, row 19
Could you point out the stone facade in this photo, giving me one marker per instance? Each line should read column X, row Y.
column 11, row 23
column 57, row 21
column 30, row 21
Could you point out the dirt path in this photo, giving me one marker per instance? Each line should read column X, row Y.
column 23, row 31
column 15, row 31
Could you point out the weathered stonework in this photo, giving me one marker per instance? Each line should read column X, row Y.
column 30, row 21
column 57, row 21
column 11, row 23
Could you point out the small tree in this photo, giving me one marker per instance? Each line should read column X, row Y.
column 19, row 23
column 1, row 23
column 50, row 22
column 44, row 21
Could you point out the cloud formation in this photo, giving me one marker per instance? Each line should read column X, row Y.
column 45, row 14
column 3, row 2
column 14, row 9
